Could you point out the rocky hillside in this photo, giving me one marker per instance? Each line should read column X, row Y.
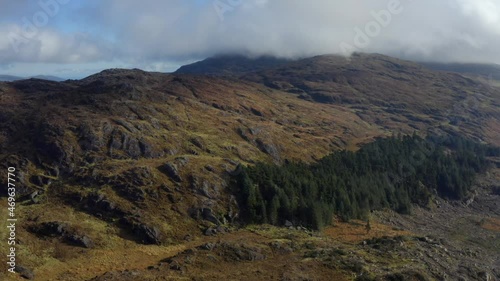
column 127, row 158
column 485, row 71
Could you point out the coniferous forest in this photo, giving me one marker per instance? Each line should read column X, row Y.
column 387, row 173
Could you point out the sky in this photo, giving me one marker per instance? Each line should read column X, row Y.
column 76, row 38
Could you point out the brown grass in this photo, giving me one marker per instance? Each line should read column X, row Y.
column 492, row 224
column 355, row 231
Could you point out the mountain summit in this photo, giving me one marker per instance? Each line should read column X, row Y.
column 231, row 65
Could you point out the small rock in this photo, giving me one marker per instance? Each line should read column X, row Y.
column 50, row 229
column 174, row 265
column 80, row 240
column 221, row 229
column 210, row 231
column 34, row 197
column 150, row 235
column 25, row 272
column 144, row 233
column 255, row 256
column 207, row 214
column 208, row 246
column 181, row 161
column 172, row 171
column 485, row 276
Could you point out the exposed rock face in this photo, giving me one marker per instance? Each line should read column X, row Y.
column 149, row 235
column 118, row 139
column 131, row 183
column 25, row 272
column 79, row 240
column 145, row 234
column 210, row 231
column 53, row 149
column 100, row 206
column 205, row 188
column 40, row 180
column 51, row 229
column 208, row 215
column 172, row 171
column 269, row 148
column 64, row 231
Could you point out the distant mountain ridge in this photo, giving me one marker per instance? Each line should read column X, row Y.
column 237, row 65
column 232, row 65
column 10, row 78
column 487, row 71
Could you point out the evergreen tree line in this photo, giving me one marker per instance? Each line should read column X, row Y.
column 388, row 173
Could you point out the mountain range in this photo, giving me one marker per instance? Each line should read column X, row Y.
column 10, row 78
column 127, row 174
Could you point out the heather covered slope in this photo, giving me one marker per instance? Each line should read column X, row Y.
column 396, row 94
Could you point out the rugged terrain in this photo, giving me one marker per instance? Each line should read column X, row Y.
column 124, row 175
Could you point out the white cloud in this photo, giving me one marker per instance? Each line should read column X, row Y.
column 157, row 34
column 49, row 45
column 456, row 30
column 485, row 11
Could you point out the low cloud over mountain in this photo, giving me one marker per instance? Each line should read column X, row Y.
column 161, row 35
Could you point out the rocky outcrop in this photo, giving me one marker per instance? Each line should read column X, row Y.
column 50, row 144
column 119, row 139
column 145, row 234
column 79, row 240
column 171, row 170
column 204, row 213
column 102, row 207
column 63, row 231
column 25, row 272
column 131, row 183
column 205, row 188
column 269, row 148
